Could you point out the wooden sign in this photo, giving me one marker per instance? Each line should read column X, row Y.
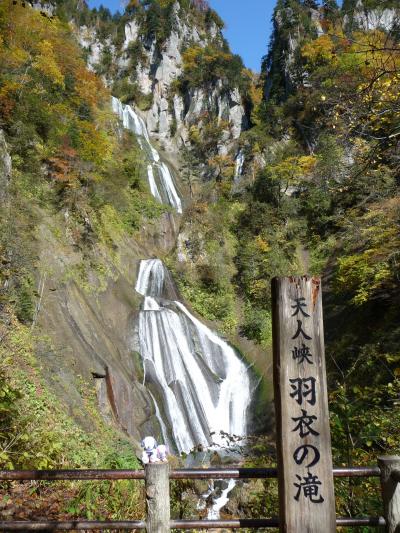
column 306, row 495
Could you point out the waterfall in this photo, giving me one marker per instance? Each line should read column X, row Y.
column 202, row 384
column 239, row 162
column 218, row 501
column 157, row 171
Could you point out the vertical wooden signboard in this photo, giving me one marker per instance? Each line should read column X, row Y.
column 306, row 495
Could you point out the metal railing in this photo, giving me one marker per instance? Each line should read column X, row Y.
column 211, row 473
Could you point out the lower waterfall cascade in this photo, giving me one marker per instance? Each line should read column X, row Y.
column 202, row 383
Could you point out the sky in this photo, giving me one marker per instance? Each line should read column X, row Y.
column 248, row 25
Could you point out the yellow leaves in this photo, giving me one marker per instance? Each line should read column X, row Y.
column 190, row 57
column 292, row 168
column 262, row 245
column 46, row 63
column 307, row 163
column 94, row 145
column 194, row 135
column 377, row 241
column 13, row 57
column 320, row 50
column 197, row 54
column 224, row 165
column 259, row 288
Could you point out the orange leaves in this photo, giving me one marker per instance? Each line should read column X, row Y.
column 7, row 97
column 62, row 167
column 88, row 86
column 36, row 51
column 132, row 4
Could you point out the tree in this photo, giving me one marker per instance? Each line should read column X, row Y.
column 330, row 10
column 223, row 167
column 330, row 5
column 311, row 4
column 190, row 176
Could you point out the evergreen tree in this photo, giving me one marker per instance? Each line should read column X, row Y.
column 330, row 5
column 330, row 10
column 311, row 4
column 349, row 5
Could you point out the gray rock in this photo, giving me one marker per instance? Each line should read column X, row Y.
column 131, row 33
column 368, row 20
column 178, row 109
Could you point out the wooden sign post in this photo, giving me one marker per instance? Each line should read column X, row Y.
column 306, row 495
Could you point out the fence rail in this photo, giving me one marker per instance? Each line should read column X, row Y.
column 210, row 473
column 189, row 473
column 84, row 525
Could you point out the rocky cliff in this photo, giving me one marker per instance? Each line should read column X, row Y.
column 296, row 21
column 153, row 65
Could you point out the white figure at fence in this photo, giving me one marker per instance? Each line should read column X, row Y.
column 152, row 452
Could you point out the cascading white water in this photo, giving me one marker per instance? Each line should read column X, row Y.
column 203, row 385
column 239, row 162
column 165, row 191
column 152, row 182
column 213, row 510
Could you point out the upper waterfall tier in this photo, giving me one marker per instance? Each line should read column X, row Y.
column 203, row 385
column 160, row 179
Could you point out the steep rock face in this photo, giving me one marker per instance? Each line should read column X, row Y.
column 372, row 19
column 170, row 114
column 5, row 166
column 289, row 32
column 93, row 327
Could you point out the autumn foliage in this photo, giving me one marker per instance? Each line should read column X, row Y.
column 46, row 87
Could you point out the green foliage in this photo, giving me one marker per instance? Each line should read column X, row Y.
column 372, row 268
column 205, row 66
column 266, row 249
column 36, row 433
column 136, row 54
column 25, row 298
column 9, row 397
column 213, row 17
column 257, row 325
column 116, row 499
column 332, row 103
column 156, row 20
column 129, row 92
column 206, row 281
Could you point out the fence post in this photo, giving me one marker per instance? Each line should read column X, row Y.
column 390, row 478
column 157, row 498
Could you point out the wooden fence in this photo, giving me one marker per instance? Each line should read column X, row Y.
column 305, row 481
column 158, row 476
